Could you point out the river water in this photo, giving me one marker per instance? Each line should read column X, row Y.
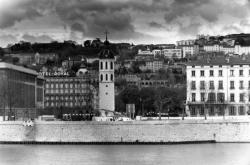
column 183, row 154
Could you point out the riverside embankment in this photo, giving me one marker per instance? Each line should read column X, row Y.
column 165, row 131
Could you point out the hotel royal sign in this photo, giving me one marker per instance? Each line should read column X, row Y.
column 54, row 74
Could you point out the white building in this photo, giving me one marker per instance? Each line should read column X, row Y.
column 189, row 50
column 235, row 49
column 106, row 81
column 153, row 66
column 213, row 48
column 218, row 87
column 145, row 52
column 185, row 42
column 228, row 49
column 157, row 52
column 240, row 49
column 172, row 53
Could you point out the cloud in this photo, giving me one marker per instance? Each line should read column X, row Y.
column 154, row 24
column 17, row 11
column 125, row 19
column 91, row 18
column 203, row 13
column 38, row 38
column 5, row 39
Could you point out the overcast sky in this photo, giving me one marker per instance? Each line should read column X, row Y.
column 137, row 21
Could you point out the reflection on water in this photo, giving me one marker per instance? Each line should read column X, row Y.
column 184, row 154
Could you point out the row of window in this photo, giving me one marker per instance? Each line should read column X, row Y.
column 64, row 91
column 107, row 77
column 220, row 97
column 66, row 104
column 65, row 98
column 65, row 85
column 221, row 111
column 220, row 85
column 106, row 65
column 220, row 73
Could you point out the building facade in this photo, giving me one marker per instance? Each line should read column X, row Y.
column 70, row 93
column 189, row 50
column 172, row 53
column 227, row 49
column 153, row 66
column 185, row 42
column 21, row 92
column 218, row 87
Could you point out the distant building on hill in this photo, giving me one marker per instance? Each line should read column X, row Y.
column 33, row 58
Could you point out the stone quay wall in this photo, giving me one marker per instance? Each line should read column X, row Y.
column 164, row 131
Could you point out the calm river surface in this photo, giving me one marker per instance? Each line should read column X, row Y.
column 185, row 154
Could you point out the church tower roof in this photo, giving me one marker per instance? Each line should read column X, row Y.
column 106, row 52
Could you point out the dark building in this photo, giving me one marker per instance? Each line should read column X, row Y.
column 21, row 92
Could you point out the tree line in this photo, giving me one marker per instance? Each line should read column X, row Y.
column 148, row 100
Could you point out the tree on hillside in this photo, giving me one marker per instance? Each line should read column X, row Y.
column 147, row 98
column 119, row 104
column 87, row 43
column 1, row 52
column 130, row 95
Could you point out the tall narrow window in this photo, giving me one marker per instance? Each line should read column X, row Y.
column 193, row 73
column 106, row 77
column 193, row 86
column 111, row 65
column 232, row 111
column 101, row 65
column 211, row 111
column 202, row 73
column 193, row 111
column 231, row 72
column 241, row 97
column 106, row 65
column 202, row 111
column 220, row 73
column 211, row 73
column 231, row 84
column 231, row 97
column 111, row 77
column 241, row 110
column 211, row 84
column 241, row 72
column 101, row 77
column 202, row 85
column 193, row 97
column 202, row 97
column 241, row 85
column 220, row 84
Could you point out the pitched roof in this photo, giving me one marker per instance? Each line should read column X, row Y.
column 221, row 60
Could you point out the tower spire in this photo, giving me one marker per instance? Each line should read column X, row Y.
column 106, row 34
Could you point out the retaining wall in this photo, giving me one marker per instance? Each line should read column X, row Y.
column 130, row 131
